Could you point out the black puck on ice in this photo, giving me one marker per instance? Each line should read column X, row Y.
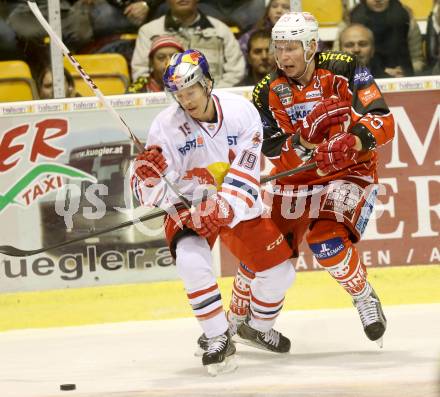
column 68, row 386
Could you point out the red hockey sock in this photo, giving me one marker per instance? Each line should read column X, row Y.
column 333, row 249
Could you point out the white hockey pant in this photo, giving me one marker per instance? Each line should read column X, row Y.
column 268, row 290
column 194, row 266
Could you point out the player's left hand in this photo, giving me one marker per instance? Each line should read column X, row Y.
column 210, row 215
column 336, row 153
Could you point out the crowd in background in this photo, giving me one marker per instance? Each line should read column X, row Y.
column 234, row 35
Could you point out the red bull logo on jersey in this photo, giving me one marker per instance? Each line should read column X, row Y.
column 256, row 139
column 203, row 176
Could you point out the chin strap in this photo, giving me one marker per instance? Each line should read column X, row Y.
column 308, row 62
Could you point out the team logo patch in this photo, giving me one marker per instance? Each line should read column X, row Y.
column 366, row 212
column 286, row 101
column 368, row 95
column 282, row 88
column 334, row 56
column 313, row 94
column 328, row 248
column 187, row 147
column 256, row 139
column 362, row 76
column 342, row 199
column 199, row 141
column 300, row 110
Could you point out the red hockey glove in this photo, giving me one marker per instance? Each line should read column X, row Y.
column 336, row 154
column 210, row 215
column 181, row 216
column 315, row 126
column 150, row 164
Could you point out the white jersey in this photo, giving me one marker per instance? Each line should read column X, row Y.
column 225, row 154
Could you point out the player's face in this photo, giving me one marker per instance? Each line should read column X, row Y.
column 160, row 61
column 357, row 41
column 260, row 58
column 290, row 56
column 193, row 100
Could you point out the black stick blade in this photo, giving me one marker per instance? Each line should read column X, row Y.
column 13, row 251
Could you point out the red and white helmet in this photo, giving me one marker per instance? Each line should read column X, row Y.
column 298, row 26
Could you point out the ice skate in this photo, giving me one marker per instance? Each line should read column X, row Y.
column 271, row 340
column 234, row 322
column 220, row 355
column 372, row 317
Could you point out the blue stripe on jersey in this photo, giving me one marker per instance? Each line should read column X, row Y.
column 241, row 185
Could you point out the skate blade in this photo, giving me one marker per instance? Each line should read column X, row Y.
column 229, row 365
column 238, row 339
column 379, row 342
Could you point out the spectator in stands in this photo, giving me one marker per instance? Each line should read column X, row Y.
column 390, row 22
column 8, row 40
column 45, row 84
column 260, row 58
column 8, row 43
column 242, row 14
column 357, row 39
column 108, row 21
column 273, row 12
column 162, row 49
column 29, row 30
column 195, row 30
column 31, row 35
column 433, row 39
column 415, row 44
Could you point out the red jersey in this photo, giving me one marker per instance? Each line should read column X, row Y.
column 283, row 103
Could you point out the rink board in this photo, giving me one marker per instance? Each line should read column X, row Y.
column 167, row 300
column 78, row 135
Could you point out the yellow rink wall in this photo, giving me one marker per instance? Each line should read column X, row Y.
column 167, row 300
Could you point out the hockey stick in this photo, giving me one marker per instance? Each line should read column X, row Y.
column 13, row 251
column 291, row 172
column 36, row 11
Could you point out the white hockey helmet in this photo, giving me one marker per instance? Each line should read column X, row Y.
column 300, row 26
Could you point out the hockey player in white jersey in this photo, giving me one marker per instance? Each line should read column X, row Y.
column 214, row 139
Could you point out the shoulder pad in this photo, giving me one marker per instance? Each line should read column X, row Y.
column 337, row 62
column 262, row 88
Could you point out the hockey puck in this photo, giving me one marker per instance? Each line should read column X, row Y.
column 68, row 386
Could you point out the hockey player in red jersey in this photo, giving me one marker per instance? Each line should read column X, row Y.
column 322, row 107
column 208, row 138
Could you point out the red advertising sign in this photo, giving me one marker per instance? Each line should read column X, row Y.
column 405, row 227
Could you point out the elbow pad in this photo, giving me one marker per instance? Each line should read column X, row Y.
column 366, row 136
